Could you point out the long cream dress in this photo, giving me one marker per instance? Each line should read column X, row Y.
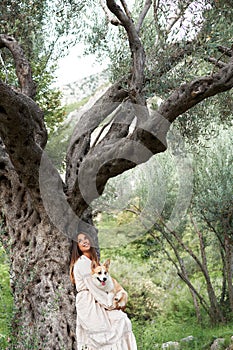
column 98, row 328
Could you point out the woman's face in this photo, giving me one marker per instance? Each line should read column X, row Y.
column 83, row 243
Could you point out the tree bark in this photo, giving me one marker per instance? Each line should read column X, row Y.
column 215, row 310
column 23, row 69
column 44, row 316
column 43, row 295
column 229, row 268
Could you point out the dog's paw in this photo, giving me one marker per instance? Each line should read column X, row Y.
column 118, row 296
column 122, row 304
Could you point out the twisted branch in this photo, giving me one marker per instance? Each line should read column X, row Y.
column 23, row 69
column 143, row 14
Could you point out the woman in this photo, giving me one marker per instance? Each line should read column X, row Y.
column 98, row 327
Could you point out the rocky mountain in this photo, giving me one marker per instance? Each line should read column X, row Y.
column 85, row 87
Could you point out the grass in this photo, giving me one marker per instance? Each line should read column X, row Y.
column 75, row 105
column 160, row 331
column 6, row 300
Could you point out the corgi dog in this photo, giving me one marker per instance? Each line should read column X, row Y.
column 117, row 296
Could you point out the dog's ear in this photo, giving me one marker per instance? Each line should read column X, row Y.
column 94, row 264
column 107, row 263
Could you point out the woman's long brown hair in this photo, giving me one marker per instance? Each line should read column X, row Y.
column 76, row 253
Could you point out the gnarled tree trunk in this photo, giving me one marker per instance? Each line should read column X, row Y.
column 44, row 315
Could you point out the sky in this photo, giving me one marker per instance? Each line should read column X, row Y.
column 76, row 66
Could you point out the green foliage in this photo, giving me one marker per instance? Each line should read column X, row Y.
column 213, row 182
column 119, row 57
column 196, row 130
column 218, row 25
column 24, row 20
column 144, row 294
column 59, row 136
column 6, row 300
column 48, row 99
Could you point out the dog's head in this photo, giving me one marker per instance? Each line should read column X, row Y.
column 100, row 273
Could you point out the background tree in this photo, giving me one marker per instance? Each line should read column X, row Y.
column 25, row 21
column 40, row 211
column 212, row 223
column 215, row 207
column 201, row 244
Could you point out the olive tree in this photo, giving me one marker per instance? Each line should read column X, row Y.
column 41, row 212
